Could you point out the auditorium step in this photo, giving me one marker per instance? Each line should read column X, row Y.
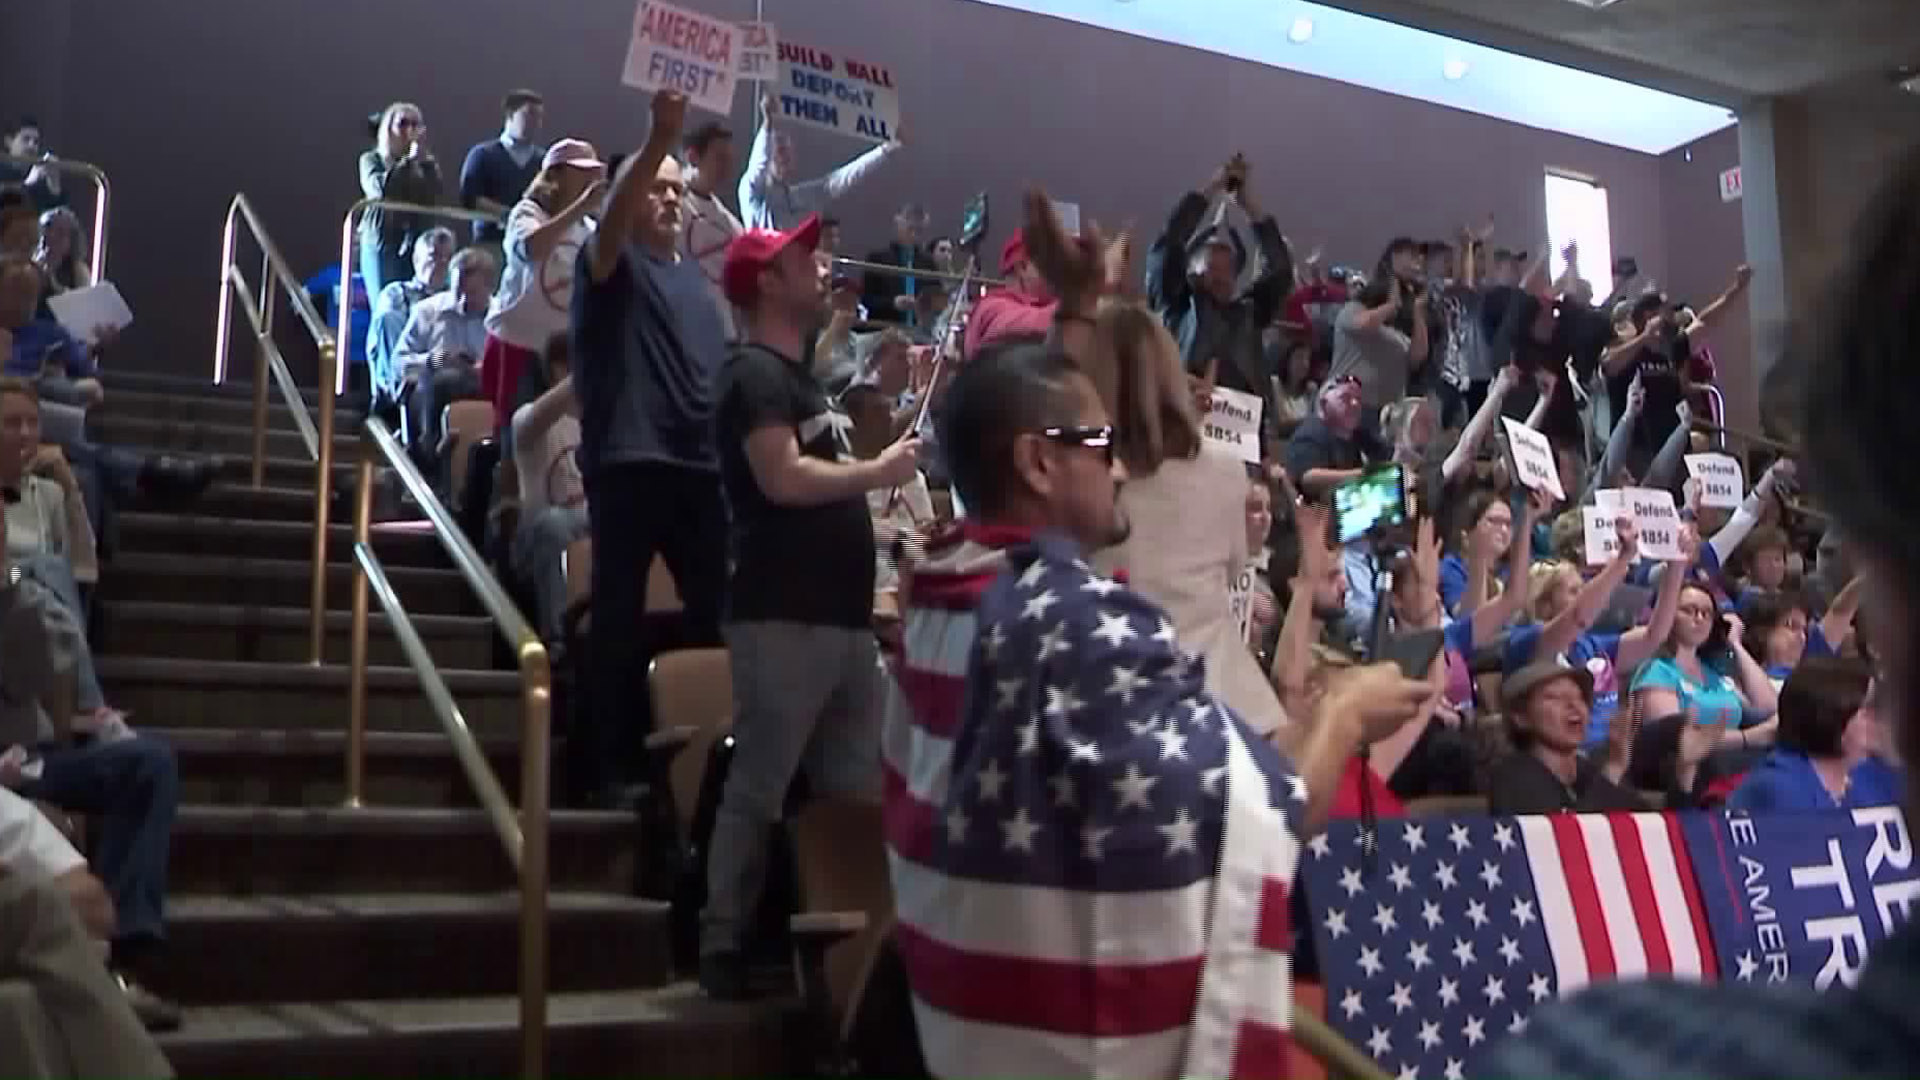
column 348, row 945
column 227, row 440
column 252, row 766
column 164, row 692
column 233, row 497
column 288, row 472
column 201, row 409
column 327, row 850
column 278, row 635
column 199, row 534
column 206, row 578
column 672, row 1031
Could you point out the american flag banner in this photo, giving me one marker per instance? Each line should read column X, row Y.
column 1455, row 930
column 1092, row 860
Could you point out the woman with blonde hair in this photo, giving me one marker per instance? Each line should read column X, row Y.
column 399, row 168
column 545, row 230
column 1186, row 502
column 62, row 251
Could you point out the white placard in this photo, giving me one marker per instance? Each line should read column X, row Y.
column 83, row 312
column 1233, row 420
column 1240, row 602
column 1603, row 536
column 676, row 49
column 759, row 55
column 852, row 96
column 1069, row 214
column 1653, row 512
column 1722, row 483
column 1533, row 462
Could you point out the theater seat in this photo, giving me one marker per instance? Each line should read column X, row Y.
column 692, row 693
column 663, row 596
column 467, row 422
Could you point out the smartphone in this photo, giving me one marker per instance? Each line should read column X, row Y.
column 973, row 221
column 1374, row 500
column 1413, row 652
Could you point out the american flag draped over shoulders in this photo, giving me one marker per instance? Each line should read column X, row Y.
column 1454, row 931
column 1091, row 857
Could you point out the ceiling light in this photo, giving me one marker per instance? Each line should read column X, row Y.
column 1594, row 4
column 1454, row 69
column 1300, row 31
column 1908, row 79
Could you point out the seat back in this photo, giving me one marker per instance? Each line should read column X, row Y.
column 691, row 688
column 467, row 423
column 663, row 596
column 840, row 861
column 1447, row 806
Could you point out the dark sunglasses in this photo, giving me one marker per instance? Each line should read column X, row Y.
column 1092, row 438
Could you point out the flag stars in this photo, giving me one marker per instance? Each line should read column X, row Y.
column 1350, row 881
column 1210, row 783
column 1518, row 1025
column 1414, row 836
column 1318, row 846
column 1463, row 951
column 1036, row 608
column 1454, row 1070
column 995, row 640
column 1429, row 1034
column 1083, row 751
column 1417, row 956
column 956, row 826
column 1017, row 832
column 1336, row 923
column 1490, row 874
column 1539, row 987
column 1523, row 911
column 1475, row 1031
column 1165, row 633
column 1509, row 950
column 1748, row 965
column 1370, row 961
column 1134, row 789
column 1449, row 991
column 1351, row 1005
column 1380, row 1043
column 1383, row 918
column 1430, row 914
column 1503, row 835
column 1008, row 694
column 1100, row 587
column 1400, row 878
column 1180, row 834
column 1053, row 641
column 1443, row 875
column 1495, row 990
column 1407, row 1072
column 991, row 779
column 1457, row 833
column 1477, row 913
column 1173, row 745
column 1029, row 738
column 1032, row 576
column 1062, row 703
column 1113, row 630
column 1092, row 841
column 1297, row 788
column 1401, row 998
column 1126, row 683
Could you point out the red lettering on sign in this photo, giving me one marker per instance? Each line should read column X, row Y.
column 878, row 76
column 800, row 54
column 710, row 41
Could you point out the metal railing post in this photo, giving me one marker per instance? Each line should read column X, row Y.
column 221, row 331
column 536, row 696
column 322, row 504
column 357, row 649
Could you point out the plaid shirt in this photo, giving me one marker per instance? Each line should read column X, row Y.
column 1663, row 1029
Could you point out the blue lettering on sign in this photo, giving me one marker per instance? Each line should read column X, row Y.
column 679, row 73
column 872, row 126
column 809, row 109
column 821, row 86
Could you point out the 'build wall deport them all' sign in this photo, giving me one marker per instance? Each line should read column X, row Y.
column 837, row 93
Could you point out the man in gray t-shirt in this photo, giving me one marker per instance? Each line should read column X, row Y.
column 1367, row 347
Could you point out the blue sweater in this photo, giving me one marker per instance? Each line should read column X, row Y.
column 491, row 172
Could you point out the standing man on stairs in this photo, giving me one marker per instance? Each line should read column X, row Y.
column 647, row 345
column 799, row 623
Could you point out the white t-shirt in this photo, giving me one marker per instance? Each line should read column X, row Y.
column 710, row 228
column 29, row 844
column 548, row 473
column 533, row 302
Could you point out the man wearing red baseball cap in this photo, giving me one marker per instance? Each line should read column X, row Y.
column 798, row 625
column 1025, row 306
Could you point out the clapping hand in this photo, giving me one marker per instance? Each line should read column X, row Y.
column 1074, row 266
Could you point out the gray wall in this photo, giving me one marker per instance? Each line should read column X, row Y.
column 186, row 101
column 1705, row 242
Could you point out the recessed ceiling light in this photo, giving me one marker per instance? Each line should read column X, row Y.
column 1454, row 69
column 1908, row 79
column 1594, row 4
column 1300, row 31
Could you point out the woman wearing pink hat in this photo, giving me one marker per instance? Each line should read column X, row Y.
column 544, row 232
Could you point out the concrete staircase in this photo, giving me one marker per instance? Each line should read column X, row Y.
column 312, row 940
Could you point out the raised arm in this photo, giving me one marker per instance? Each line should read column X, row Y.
column 1747, row 515
column 1666, row 463
column 540, row 240
column 1710, row 315
column 1591, row 600
column 1167, row 285
column 629, row 197
column 1620, row 443
column 1490, row 617
column 532, row 422
column 1837, row 624
column 758, row 176
column 1638, row 644
column 1547, row 382
column 1475, row 435
column 842, row 180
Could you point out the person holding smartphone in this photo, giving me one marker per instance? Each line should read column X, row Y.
column 398, row 168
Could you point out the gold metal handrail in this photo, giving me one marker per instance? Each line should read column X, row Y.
column 352, row 222
column 1747, row 437
column 840, row 261
column 102, row 194
column 523, row 835
column 277, row 279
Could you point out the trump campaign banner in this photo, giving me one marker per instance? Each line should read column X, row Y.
column 1801, row 899
column 676, row 49
column 836, row 92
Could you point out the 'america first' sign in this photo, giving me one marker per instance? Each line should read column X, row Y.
column 1801, row 899
column 837, row 93
column 676, row 49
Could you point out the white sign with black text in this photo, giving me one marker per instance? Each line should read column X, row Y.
column 1533, row 461
column 1233, row 420
column 758, row 58
column 1603, row 535
column 1721, row 482
column 1653, row 513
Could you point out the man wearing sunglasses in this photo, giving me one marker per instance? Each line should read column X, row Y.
column 1063, row 796
column 798, row 625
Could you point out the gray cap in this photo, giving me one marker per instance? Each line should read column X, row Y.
column 1517, row 687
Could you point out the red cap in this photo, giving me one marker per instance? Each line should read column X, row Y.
column 754, row 250
column 1014, row 253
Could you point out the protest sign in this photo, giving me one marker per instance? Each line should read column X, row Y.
column 1240, row 601
column 758, row 55
column 836, row 93
column 1652, row 510
column 1721, row 482
column 676, row 49
column 1233, row 420
column 1799, row 899
column 1603, row 536
column 1533, row 463
column 1069, row 214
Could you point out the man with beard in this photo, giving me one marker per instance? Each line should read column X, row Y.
column 1056, row 770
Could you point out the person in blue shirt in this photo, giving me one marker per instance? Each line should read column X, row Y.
column 1781, row 629
column 1824, row 759
column 1704, row 675
column 1564, row 610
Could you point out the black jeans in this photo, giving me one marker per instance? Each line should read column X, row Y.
column 635, row 511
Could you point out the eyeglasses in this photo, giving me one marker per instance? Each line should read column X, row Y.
column 407, row 122
column 1091, row 438
column 1695, row 611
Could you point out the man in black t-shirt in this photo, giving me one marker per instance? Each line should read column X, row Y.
column 798, row 626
